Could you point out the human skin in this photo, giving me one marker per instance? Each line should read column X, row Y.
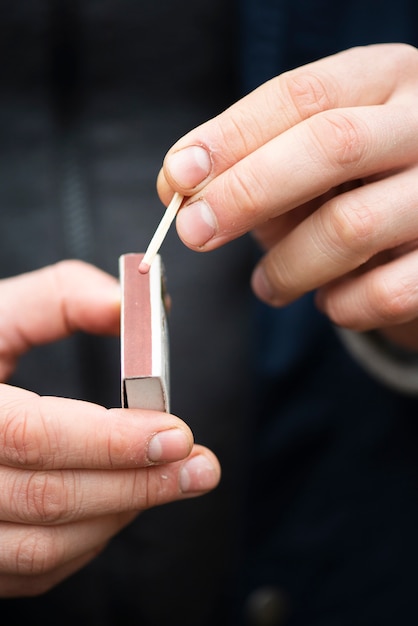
column 321, row 165
column 72, row 473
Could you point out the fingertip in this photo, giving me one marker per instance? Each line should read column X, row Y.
column 261, row 285
column 164, row 190
column 188, row 167
column 200, row 473
column 196, row 224
column 170, row 445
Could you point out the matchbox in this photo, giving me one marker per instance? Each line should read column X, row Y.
column 144, row 335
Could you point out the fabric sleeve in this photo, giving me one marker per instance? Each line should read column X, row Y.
column 393, row 366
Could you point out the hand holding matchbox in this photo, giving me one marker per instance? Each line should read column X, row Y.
column 144, row 337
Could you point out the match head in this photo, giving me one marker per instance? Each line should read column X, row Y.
column 144, row 267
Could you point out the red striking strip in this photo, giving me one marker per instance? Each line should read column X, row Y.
column 137, row 338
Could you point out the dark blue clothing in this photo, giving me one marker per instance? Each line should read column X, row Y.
column 332, row 504
column 277, row 35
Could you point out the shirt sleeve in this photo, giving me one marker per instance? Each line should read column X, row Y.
column 395, row 367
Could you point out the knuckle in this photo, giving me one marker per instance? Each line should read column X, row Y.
column 116, row 451
column 69, row 265
column 308, row 91
column 341, row 138
column 62, row 276
column 243, row 187
column 36, row 553
column 246, row 196
column 351, row 227
column 60, row 272
column 394, row 300
column 238, row 133
column 147, row 488
column 157, row 486
column 20, row 443
column 47, row 498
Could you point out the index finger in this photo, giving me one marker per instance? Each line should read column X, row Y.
column 62, row 298
column 213, row 162
column 59, row 433
column 280, row 103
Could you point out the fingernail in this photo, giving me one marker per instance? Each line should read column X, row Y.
column 169, row 445
column 198, row 474
column 262, row 287
column 196, row 223
column 190, row 166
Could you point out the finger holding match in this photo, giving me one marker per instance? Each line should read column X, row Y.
column 160, row 233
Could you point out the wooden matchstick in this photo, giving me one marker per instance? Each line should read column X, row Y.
column 160, row 233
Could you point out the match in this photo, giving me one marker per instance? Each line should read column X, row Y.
column 160, row 233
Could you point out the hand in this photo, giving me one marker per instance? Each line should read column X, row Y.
column 73, row 474
column 321, row 163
